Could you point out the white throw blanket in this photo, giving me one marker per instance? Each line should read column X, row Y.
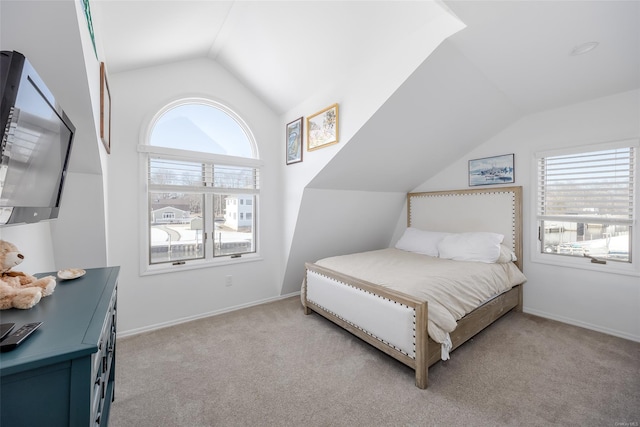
column 452, row 288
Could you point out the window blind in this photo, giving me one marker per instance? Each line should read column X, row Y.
column 590, row 187
column 168, row 174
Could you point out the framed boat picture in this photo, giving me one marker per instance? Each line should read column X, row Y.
column 491, row 170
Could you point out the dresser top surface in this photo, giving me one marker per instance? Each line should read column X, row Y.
column 73, row 317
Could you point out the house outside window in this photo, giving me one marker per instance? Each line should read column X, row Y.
column 199, row 155
column 585, row 204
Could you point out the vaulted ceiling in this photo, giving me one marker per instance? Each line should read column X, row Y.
column 525, row 48
column 519, row 51
column 514, row 58
column 283, row 49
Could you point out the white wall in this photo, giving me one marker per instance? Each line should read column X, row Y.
column 153, row 300
column 338, row 222
column 53, row 35
column 79, row 232
column 360, row 95
column 34, row 242
column 601, row 301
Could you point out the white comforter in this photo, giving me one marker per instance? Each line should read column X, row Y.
column 452, row 288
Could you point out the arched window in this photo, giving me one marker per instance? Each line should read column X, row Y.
column 204, row 127
column 201, row 186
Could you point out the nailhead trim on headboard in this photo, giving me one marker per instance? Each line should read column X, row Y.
column 473, row 193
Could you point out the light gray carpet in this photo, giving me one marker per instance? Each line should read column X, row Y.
column 271, row 365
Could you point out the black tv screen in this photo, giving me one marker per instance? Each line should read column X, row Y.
column 36, row 144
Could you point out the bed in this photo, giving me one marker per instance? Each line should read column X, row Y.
column 378, row 295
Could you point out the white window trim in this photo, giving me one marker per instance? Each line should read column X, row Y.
column 149, row 270
column 144, row 150
column 536, row 256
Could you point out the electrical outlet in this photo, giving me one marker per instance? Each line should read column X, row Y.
column 229, row 280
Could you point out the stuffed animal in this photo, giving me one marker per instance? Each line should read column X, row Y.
column 17, row 289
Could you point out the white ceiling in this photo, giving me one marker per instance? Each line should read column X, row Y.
column 282, row 49
column 524, row 48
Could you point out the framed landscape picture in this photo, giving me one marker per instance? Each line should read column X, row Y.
column 322, row 128
column 491, row 170
column 294, row 141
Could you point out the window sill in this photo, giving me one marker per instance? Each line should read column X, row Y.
column 611, row 267
column 150, row 270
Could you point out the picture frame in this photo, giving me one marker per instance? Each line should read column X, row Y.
column 86, row 9
column 293, row 141
column 492, row 170
column 105, row 109
column 323, row 128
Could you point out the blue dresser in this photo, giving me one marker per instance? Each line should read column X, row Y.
column 64, row 373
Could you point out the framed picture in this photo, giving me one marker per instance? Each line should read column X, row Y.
column 87, row 15
column 322, row 128
column 294, row 141
column 491, row 170
column 105, row 109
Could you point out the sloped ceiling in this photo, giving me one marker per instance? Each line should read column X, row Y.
column 284, row 51
column 47, row 33
column 524, row 48
column 513, row 58
column 441, row 112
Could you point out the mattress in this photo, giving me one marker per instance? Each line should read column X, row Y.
column 451, row 288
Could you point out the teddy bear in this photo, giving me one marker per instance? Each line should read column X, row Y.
column 17, row 289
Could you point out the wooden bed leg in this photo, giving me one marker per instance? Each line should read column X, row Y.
column 421, row 378
column 422, row 346
column 303, row 295
column 518, row 308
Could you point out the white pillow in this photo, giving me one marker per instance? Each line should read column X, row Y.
column 475, row 246
column 420, row 241
column 506, row 255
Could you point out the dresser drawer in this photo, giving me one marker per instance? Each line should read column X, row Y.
column 103, row 362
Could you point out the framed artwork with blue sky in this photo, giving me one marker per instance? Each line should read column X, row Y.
column 491, row 170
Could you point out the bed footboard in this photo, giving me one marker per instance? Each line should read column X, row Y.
column 393, row 322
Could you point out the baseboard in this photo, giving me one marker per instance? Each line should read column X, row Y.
column 132, row 332
column 137, row 331
column 585, row 325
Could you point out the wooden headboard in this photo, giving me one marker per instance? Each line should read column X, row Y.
column 497, row 210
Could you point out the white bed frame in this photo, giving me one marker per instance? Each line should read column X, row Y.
column 396, row 323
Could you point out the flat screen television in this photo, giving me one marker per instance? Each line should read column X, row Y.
column 36, row 144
